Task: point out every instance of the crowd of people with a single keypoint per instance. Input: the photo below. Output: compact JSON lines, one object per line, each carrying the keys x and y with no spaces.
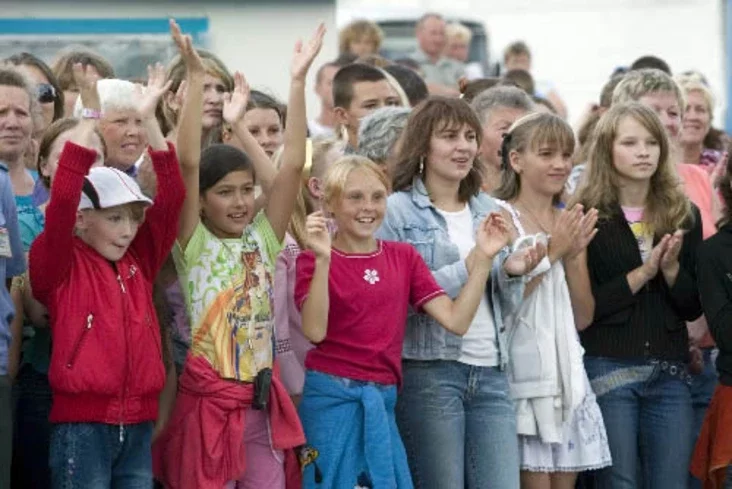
{"x":436,"y":282}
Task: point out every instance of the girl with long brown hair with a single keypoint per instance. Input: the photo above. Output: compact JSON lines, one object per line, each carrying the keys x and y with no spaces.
{"x":642,"y":267}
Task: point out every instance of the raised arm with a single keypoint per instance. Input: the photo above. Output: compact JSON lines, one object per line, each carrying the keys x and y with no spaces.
{"x":50,"y":254}
{"x":235,"y":106}
{"x":456,"y":316}
{"x":188,"y":136}
{"x":287,"y":181}
{"x":316,"y":305}
{"x":157,"y":234}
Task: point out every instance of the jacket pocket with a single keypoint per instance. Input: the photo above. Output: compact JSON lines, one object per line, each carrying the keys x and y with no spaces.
{"x":80,"y":341}
{"x":524,"y":353}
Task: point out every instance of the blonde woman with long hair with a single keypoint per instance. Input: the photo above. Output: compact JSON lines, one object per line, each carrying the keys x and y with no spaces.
{"x":642,"y":267}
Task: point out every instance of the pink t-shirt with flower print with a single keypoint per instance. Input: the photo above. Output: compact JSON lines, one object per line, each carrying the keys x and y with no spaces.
{"x":370,"y":295}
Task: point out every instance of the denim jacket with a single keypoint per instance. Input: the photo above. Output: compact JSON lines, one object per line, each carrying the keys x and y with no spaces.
{"x":411,"y":218}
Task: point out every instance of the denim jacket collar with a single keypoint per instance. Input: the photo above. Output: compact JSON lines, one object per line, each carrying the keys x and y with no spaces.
{"x":421,"y":197}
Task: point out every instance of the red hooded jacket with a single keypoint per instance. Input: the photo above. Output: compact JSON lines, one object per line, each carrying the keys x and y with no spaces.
{"x":106,"y":361}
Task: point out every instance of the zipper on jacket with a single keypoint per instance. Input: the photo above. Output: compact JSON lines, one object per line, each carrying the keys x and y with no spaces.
{"x":123,"y":395}
{"x":77,"y":347}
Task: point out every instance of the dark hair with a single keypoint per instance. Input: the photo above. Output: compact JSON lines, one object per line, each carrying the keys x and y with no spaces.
{"x":348,"y":76}
{"x":260,"y":100}
{"x":27,"y":59}
{"x":50,"y":135}
{"x":410,"y":81}
{"x":217,"y":161}
{"x":408,"y":63}
{"x":650,"y":62}
{"x":473,"y":88}
{"x":725,"y":189}
{"x":716,"y":139}
{"x":429,"y":117}
{"x":63,"y":66}
{"x":516,"y":48}
{"x":606,"y":95}
{"x":522,"y":79}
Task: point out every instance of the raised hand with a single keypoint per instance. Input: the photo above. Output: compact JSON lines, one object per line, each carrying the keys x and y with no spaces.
{"x":304,"y":54}
{"x":567,"y":231}
{"x":492,"y":235}
{"x":190,"y":56}
{"x":318,"y":236}
{"x":235,"y":103}
{"x":587,"y":232}
{"x":85,"y":78}
{"x":150,"y":94}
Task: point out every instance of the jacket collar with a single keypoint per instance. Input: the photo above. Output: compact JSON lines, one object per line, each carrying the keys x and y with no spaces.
{"x":421,"y":198}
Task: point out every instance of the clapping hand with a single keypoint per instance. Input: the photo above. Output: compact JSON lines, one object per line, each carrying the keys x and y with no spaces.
{"x":492,"y":235}
{"x":524,"y":260}
{"x":587,"y":232}
{"x":567,"y":231}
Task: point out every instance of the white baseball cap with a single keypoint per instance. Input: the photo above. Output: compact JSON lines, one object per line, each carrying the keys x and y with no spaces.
{"x":106,"y":187}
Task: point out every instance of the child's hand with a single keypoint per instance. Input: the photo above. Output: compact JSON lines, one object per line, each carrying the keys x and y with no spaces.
{"x":235,"y":103}
{"x":587,"y":232}
{"x":86,"y":77}
{"x":567,"y":231}
{"x":670,"y":257}
{"x":524,"y":260}
{"x":652,"y":265}
{"x":190,"y":56}
{"x":492,"y":235}
{"x":150,"y":94}
{"x":318,"y":236}
{"x":305,"y":54}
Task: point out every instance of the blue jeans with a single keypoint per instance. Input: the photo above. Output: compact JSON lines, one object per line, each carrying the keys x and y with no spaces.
{"x":458,"y":425}
{"x":32,"y":433}
{"x":98,"y":456}
{"x":702,"y":390}
{"x":648,"y":416}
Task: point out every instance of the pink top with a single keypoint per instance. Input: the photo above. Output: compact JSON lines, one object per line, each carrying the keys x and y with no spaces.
{"x":291,"y":343}
{"x":699,"y":190}
{"x":369,"y":301}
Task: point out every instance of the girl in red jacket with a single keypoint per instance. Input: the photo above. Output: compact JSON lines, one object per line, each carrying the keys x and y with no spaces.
{"x":93,"y":267}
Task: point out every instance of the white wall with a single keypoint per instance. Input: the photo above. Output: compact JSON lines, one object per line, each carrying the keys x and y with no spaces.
{"x":258,"y":40}
{"x":577,"y":43}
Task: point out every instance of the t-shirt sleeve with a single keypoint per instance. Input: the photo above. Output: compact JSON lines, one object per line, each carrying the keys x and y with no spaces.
{"x":196,"y":245}
{"x":270,"y":244}
{"x":304,"y":268}
{"x":423,"y":287}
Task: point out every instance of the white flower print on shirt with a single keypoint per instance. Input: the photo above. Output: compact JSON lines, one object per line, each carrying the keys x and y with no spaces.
{"x":371,"y":276}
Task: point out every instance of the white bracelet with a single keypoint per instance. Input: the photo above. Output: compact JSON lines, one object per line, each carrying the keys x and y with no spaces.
{"x":91,"y":114}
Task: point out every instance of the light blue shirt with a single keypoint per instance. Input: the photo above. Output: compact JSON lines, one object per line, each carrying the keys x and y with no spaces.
{"x":9,"y":267}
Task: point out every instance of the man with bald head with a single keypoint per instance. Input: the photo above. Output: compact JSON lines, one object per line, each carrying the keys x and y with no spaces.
{"x":440,"y":73}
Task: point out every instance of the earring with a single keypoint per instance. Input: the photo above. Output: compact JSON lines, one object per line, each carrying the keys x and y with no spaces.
{"x":421,"y":165}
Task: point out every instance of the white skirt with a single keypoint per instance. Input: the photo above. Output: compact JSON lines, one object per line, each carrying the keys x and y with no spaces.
{"x":584,"y":447}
